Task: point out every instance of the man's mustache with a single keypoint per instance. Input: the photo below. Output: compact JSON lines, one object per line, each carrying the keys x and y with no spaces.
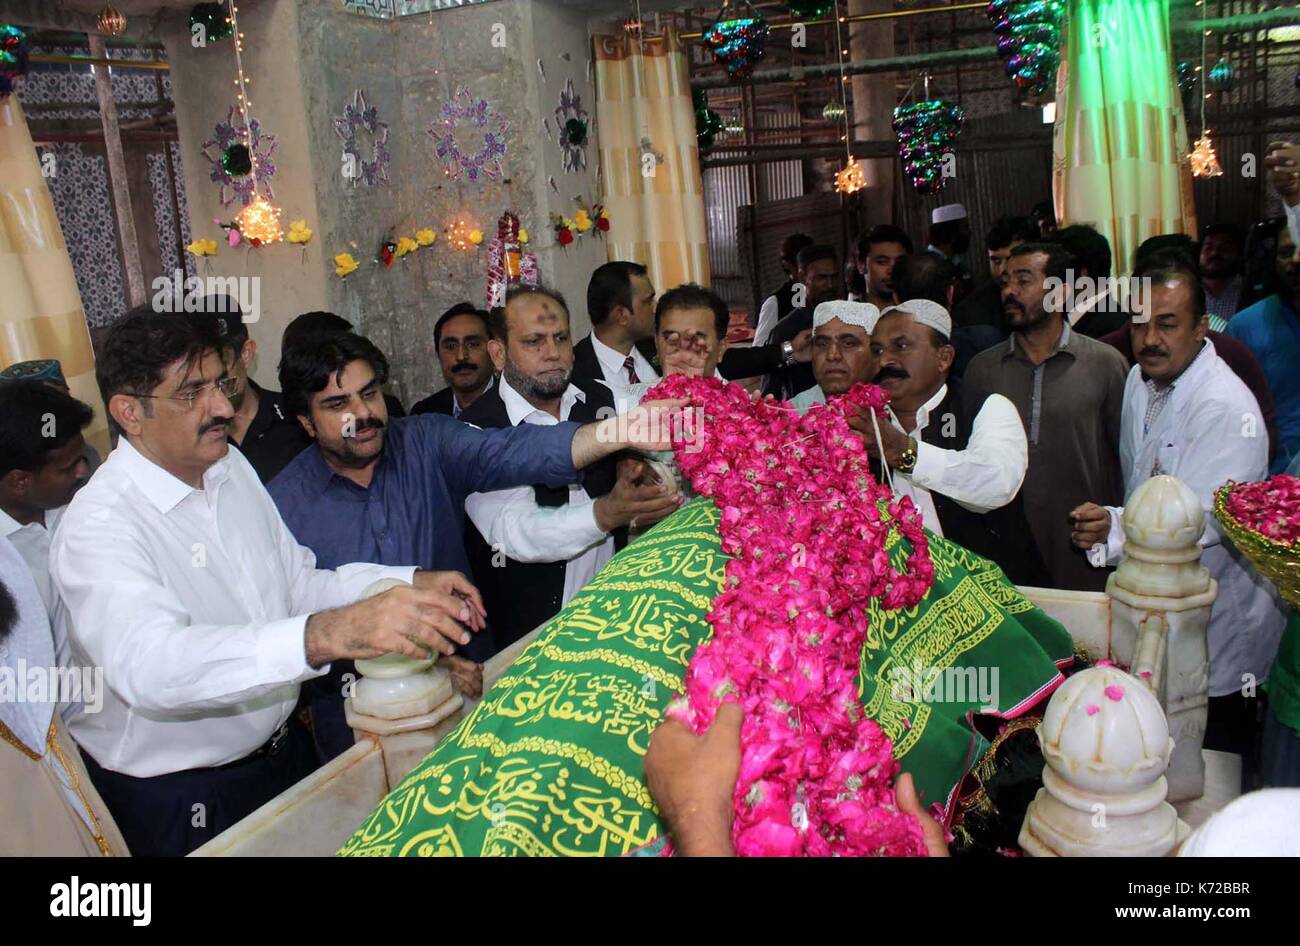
{"x":1013,"y":304}
{"x":368,"y":424}
{"x":460,"y":366}
{"x":1153,"y":352}
{"x":222,"y":422}
{"x":884,"y":374}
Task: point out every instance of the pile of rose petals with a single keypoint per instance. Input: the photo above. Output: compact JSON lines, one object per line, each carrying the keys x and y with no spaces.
{"x":1270,"y":507}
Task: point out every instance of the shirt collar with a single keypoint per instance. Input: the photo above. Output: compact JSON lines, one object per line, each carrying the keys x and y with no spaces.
{"x":9,"y":525}
{"x":923,"y":412}
{"x":455,"y":401}
{"x":519,"y":410}
{"x":608,"y":356}
{"x":161,"y":488}
{"x":1062,"y":344}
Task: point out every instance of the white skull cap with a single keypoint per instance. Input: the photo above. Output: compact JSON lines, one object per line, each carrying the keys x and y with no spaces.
{"x":925,"y":312}
{"x":947,"y":212}
{"x":862,"y":314}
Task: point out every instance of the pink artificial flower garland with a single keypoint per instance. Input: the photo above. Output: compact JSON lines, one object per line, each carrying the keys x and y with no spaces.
{"x":801,"y":520}
{"x":1270,"y":508}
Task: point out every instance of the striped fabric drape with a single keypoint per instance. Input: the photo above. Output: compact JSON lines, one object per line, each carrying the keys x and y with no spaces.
{"x":643,"y":93}
{"x":40,"y":307}
{"x":1119,"y":158}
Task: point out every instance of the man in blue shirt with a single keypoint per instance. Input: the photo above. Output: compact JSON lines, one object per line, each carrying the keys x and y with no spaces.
{"x":1271,"y":330}
{"x":388,"y":490}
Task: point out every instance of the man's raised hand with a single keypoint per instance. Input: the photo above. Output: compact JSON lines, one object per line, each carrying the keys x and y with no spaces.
{"x":412,"y":621}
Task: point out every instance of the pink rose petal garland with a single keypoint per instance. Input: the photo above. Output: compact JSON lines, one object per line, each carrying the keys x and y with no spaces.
{"x":806,"y":525}
{"x":1270,"y":508}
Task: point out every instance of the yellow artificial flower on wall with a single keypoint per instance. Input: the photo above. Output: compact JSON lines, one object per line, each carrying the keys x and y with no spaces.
{"x":344,"y":264}
{"x":203,"y":247}
{"x":425,"y":237}
{"x":476,"y":237}
{"x":582,"y":220}
{"x":299,"y":232}
{"x":523,"y":235}
{"x":405,"y":245}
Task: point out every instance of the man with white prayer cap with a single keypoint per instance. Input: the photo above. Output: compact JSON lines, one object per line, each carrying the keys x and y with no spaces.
{"x":841,"y":350}
{"x":949,"y":240}
{"x":958,"y":451}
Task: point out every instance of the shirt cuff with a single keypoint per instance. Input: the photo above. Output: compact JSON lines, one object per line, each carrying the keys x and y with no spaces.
{"x":930,"y":465}
{"x":1293,"y":221}
{"x":1115,"y":538}
{"x":282,"y":651}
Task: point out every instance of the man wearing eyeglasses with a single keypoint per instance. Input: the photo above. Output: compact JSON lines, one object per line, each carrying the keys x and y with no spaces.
{"x":181,"y":580}
{"x":841,"y":350}
{"x":460,"y":338}
{"x":261,"y":428}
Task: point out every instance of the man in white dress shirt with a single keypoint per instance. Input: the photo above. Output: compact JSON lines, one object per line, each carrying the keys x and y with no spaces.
{"x":1187,"y":414}
{"x":959,"y":452}
{"x":180,"y":580}
{"x":42,"y":465}
{"x":532,"y":548}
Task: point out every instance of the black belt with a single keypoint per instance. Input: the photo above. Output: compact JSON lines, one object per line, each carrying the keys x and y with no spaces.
{"x":269,"y":748}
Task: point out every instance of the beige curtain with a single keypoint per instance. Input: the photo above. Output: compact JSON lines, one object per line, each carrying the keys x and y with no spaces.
{"x":1120,"y":150}
{"x":643,"y":92}
{"x":40,"y":307}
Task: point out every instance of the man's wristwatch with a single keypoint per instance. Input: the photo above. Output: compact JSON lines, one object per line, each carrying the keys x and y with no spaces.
{"x":907,"y":459}
{"x":787,"y":353}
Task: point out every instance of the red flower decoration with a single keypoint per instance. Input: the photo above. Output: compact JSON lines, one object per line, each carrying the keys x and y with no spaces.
{"x":806,"y":525}
{"x":564,"y":235}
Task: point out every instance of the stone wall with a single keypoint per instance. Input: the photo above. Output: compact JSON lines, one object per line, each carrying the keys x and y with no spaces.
{"x":307,"y":58}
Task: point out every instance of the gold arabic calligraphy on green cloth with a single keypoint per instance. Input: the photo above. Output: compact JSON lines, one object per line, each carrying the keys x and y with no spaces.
{"x":551,"y":761}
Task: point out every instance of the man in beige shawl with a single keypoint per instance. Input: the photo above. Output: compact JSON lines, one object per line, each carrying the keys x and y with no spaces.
{"x":50,"y":806}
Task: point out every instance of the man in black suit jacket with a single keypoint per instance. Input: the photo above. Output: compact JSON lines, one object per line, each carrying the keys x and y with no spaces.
{"x":620,"y":351}
{"x":532,"y":548}
{"x":460,"y":337}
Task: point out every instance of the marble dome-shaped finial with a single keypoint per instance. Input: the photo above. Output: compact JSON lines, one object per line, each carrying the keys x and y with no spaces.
{"x":1163,"y":513}
{"x":1104,"y":732}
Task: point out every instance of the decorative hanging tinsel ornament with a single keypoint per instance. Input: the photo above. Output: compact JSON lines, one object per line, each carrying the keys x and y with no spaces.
{"x":708,"y":123}
{"x":221,"y":152}
{"x":469,"y":120}
{"x":1205,"y":163}
{"x":809,"y":9}
{"x":1188,"y":78}
{"x":110,"y":22}
{"x":1222,"y":76}
{"x":14,"y":47}
{"x":736,"y":39}
{"x":926,"y":132}
{"x":1029,"y":42}
{"x":211,"y":22}
{"x":358,"y":125}
{"x":833,"y":111}
{"x":851,"y":178}
{"x":236,"y":160}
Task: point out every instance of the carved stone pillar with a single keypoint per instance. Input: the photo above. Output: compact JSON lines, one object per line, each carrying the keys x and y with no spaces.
{"x":1161,"y":597}
{"x":408,"y":705}
{"x":1106,"y":744}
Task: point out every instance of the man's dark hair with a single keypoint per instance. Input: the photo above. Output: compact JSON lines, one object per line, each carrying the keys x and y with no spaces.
{"x":945,"y":232}
{"x":307,"y":366}
{"x":691,"y":296}
{"x":924,"y":276}
{"x":222,"y":316}
{"x":1059,"y":259}
{"x":8,"y":612}
{"x":1230,"y":230}
{"x":497,"y":326}
{"x":1090,"y":248}
{"x":1179,"y":244}
{"x":135,"y":350}
{"x":1007,"y":230}
{"x":313,"y":323}
{"x":460,"y":308}
{"x":26,"y":410}
{"x":883,"y":233}
{"x":1170,"y":266}
{"x":817,"y":252}
{"x":792,"y":244}
{"x":610,"y":287}
{"x":1044,"y":210}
